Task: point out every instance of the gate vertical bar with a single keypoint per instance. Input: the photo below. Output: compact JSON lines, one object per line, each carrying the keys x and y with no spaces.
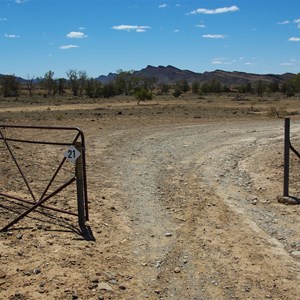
{"x":286,"y":157}
{"x":80,"y":186}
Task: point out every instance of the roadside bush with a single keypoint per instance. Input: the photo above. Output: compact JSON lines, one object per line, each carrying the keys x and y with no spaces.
{"x":143,"y":95}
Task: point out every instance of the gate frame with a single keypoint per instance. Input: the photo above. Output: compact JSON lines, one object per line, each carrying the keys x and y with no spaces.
{"x":80,"y":176}
{"x":287,"y":147}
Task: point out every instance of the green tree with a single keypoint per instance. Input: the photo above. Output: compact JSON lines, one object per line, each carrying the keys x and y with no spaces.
{"x":108,"y":90}
{"x":143,"y":95}
{"x":9,"y":85}
{"x":123,"y":82}
{"x":30,"y":85}
{"x":274,"y":87}
{"x":260,"y":88}
{"x":176,"y":93}
{"x":61,"y":86}
{"x":205,"y":88}
{"x":195,"y":88}
{"x":149,"y":83}
{"x":82,"y":77}
{"x":164,"y":88}
{"x":48,"y":83}
{"x":296,"y":82}
{"x":215,"y":86}
{"x":74,"y":81}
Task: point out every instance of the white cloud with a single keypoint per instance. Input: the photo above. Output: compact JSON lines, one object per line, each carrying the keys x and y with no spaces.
{"x":176,"y":30}
{"x":76,"y":35}
{"x":82,"y":28}
{"x":131,"y":28}
{"x":221,"y":61}
{"x":11,"y":36}
{"x":287,"y":64}
{"x":162,"y":5}
{"x":3,"y":19}
{"x":65,"y":47}
{"x":214,"y":36}
{"x":283,"y":22}
{"x":297,"y":21}
{"x":221,"y":10}
{"x":201,"y":26}
{"x":21,"y":1}
{"x":294,"y":39}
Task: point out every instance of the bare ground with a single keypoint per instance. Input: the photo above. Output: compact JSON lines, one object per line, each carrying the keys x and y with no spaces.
{"x":182,"y":199}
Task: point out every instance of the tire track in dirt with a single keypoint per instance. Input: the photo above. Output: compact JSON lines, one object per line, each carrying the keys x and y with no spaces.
{"x":192,"y":237}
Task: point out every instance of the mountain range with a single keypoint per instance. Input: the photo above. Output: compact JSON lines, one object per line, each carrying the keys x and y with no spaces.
{"x":170,"y":74}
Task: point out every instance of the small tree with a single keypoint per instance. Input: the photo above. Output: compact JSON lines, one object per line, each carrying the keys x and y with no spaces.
{"x":143,"y":95}
{"x":176,"y":93}
{"x":60,"y":86}
{"x":164,"y":88}
{"x":123,"y":82}
{"x":260,"y":88}
{"x":195,"y":88}
{"x":108,"y":90}
{"x":82,"y":77}
{"x":10,"y":85}
{"x":48,"y":83}
{"x":30,"y":85}
{"x":74,"y":82}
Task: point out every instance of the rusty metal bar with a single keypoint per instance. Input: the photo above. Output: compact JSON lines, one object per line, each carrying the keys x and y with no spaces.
{"x":286,"y":157}
{"x":37,"y":204}
{"x":43,"y":206}
{"x":39,"y":127}
{"x":295,"y":151}
{"x":84,"y":177}
{"x":37,"y":142}
{"x":53,"y":177}
{"x":17,"y":164}
{"x":80,"y":186}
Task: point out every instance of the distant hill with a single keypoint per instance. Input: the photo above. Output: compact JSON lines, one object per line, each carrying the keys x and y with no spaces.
{"x":170,"y":74}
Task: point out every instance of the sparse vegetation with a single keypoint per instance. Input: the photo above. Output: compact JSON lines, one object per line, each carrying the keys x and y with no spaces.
{"x":127,"y":83}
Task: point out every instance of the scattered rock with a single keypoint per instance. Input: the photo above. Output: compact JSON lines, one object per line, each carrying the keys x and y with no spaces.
{"x":288,"y":200}
{"x":37,"y":271}
{"x":19,"y":236}
{"x":296,"y":253}
{"x":103,"y":286}
{"x":95,"y":280}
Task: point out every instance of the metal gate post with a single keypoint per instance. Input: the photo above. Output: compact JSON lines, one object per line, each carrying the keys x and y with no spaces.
{"x":80,"y":186}
{"x":286,"y":157}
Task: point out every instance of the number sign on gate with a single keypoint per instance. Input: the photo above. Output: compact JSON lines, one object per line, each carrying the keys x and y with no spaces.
{"x":72,"y":154}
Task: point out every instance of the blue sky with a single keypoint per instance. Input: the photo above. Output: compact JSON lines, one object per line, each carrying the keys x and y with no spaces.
{"x":102,"y":36}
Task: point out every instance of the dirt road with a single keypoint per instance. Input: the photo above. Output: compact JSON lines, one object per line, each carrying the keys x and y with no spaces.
{"x":199,"y":201}
{"x":179,"y":211}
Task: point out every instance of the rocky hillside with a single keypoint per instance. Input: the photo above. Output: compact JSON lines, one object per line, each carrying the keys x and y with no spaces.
{"x":171,"y":74}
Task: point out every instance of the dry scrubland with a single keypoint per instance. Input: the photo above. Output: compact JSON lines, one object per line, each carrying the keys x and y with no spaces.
{"x":182,"y":197}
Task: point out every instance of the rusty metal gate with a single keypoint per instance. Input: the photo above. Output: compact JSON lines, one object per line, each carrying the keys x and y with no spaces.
{"x":38,"y":163}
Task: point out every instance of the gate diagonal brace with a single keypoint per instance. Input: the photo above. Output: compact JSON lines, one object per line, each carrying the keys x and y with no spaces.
{"x":79,"y":176}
